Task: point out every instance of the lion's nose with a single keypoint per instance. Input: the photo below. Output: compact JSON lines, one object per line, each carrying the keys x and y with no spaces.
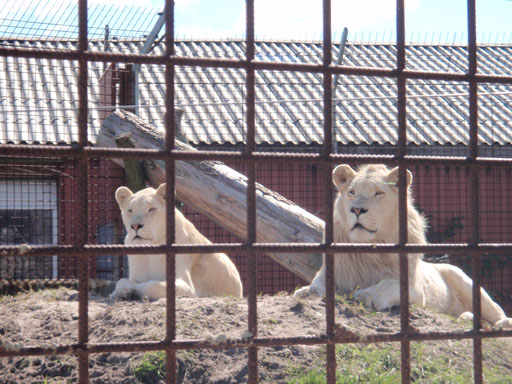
{"x":358,"y":211}
{"x":137,"y":226}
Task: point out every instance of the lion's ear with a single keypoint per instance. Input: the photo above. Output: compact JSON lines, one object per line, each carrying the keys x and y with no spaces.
{"x":160,"y":191}
{"x":342,"y":176}
{"x":393,"y":176}
{"x":123,"y":196}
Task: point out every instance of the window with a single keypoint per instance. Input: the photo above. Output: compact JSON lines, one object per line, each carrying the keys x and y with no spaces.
{"x":28,"y":215}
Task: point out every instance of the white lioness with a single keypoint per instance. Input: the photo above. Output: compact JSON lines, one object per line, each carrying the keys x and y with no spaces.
{"x":366,"y":211}
{"x":197,"y":275}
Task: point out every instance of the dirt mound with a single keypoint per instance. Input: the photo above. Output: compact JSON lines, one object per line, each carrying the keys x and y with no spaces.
{"x":50,"y":317}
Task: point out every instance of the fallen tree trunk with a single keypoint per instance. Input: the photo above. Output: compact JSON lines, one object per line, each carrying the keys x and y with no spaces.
{"x":219,"y":192}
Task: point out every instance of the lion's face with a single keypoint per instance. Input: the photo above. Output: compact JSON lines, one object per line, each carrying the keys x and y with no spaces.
{"x":143,"y":214}
{"x":368,"y":202}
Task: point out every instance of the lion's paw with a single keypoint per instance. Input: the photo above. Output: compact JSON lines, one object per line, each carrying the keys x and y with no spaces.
{"x":302,"y":292}
{"x":122,"y":294}
{"x":308,"y":291}
{"x":183,"y":289}
{"x":468,"y":316}
{"x":372,"y":298}
{"x":505,"y":323}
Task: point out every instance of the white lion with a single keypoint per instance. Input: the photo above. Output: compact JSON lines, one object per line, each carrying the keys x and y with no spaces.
{"x":366,"y":211}
{"x":197,"y":274}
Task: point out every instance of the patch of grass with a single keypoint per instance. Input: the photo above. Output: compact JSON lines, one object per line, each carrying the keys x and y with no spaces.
{"x":152,"y":368}
{"x":380,"y":364}
{"x":355,"y":364}
{"x":367,"y":364}
{"x":314,"y":376}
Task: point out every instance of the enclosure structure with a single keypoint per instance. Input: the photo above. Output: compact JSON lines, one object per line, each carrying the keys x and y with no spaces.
{"x":289,"y":118}
{"x":472,"y":161}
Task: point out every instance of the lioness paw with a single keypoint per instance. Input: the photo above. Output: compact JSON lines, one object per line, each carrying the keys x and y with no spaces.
{"x":505,"y":323}
{"x":302,"y":292}
{"x":468,"y":316}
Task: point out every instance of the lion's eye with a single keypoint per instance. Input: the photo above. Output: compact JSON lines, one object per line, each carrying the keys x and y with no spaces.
{"x":130,"y":211}
{"x":153,"y":209}
{"x":379,"y":193}
{"x":351,"y":192}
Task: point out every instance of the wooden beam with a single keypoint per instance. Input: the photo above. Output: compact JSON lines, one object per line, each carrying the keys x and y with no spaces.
{"x":219,"y":192}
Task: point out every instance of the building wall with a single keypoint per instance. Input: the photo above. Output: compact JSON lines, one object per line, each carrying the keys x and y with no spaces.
{"x":104,"y":178}
{"x":440,"y":192}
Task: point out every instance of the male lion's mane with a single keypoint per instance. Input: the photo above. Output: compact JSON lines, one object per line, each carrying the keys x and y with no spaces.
{"x":367,"y":269}
{"x":366,"y":211}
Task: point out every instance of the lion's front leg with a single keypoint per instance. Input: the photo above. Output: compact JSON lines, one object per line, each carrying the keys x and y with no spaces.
{"x":125,"y":288}
{"x":154,"y":290}
{"x":317,"y":286}
{"x":386,"y":294}
{"x":184,"y":284}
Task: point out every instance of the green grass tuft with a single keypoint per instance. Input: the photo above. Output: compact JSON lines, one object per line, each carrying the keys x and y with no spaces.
{"x":152,"y":368}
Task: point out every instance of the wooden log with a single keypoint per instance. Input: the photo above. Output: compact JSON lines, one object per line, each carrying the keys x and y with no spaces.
{"x":219,"y":192}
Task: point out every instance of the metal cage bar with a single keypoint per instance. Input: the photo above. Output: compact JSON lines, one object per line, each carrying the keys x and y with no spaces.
{"x":170,"y":260}
{"x":473,"y":185}
{"x":251,"y":193}
{"x":83,"y":262}
{"x":405,"y":347}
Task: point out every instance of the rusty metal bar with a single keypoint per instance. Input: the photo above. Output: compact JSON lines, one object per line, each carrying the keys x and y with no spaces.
{"x":474,"y":187}
{"x":251,"y":192}
{"x":170,"y":178}
{"x":70,"y":349}
{"x":52,"y":151}
{"x":244,"y":248}
{"x":328,"y":196}
{"x":405,"y":345}
{"x":83,"y":260}
{"x":257,"y":65}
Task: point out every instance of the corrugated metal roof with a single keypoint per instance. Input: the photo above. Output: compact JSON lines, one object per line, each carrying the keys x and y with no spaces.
{"x":38,"y":97}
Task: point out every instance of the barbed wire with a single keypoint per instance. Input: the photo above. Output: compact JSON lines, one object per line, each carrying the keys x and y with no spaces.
{"x":266,"y":102}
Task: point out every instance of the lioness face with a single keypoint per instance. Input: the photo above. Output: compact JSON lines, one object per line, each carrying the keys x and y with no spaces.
{"x":368,"y":201}
{"x":143,"y":214}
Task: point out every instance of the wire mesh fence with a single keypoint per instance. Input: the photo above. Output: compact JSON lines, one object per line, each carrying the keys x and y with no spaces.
{"x":59,"y":199}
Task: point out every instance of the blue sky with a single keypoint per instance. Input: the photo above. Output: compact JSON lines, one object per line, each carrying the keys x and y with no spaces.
{"x":427,"y":21}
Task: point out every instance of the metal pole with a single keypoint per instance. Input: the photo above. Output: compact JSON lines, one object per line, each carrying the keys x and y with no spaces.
{"x":146,"y":48}
{"x":339,"y":59}
{"x":106,"y":45}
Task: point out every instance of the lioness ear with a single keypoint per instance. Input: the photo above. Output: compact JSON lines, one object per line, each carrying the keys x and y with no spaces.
{"x":393,"y":176}
{"x":123,"y":196}
{"x":160,"y":191}
{"x":342,"y":175}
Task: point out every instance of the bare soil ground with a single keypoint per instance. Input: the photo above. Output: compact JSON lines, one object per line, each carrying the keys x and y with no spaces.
{"x":50,"y":317}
